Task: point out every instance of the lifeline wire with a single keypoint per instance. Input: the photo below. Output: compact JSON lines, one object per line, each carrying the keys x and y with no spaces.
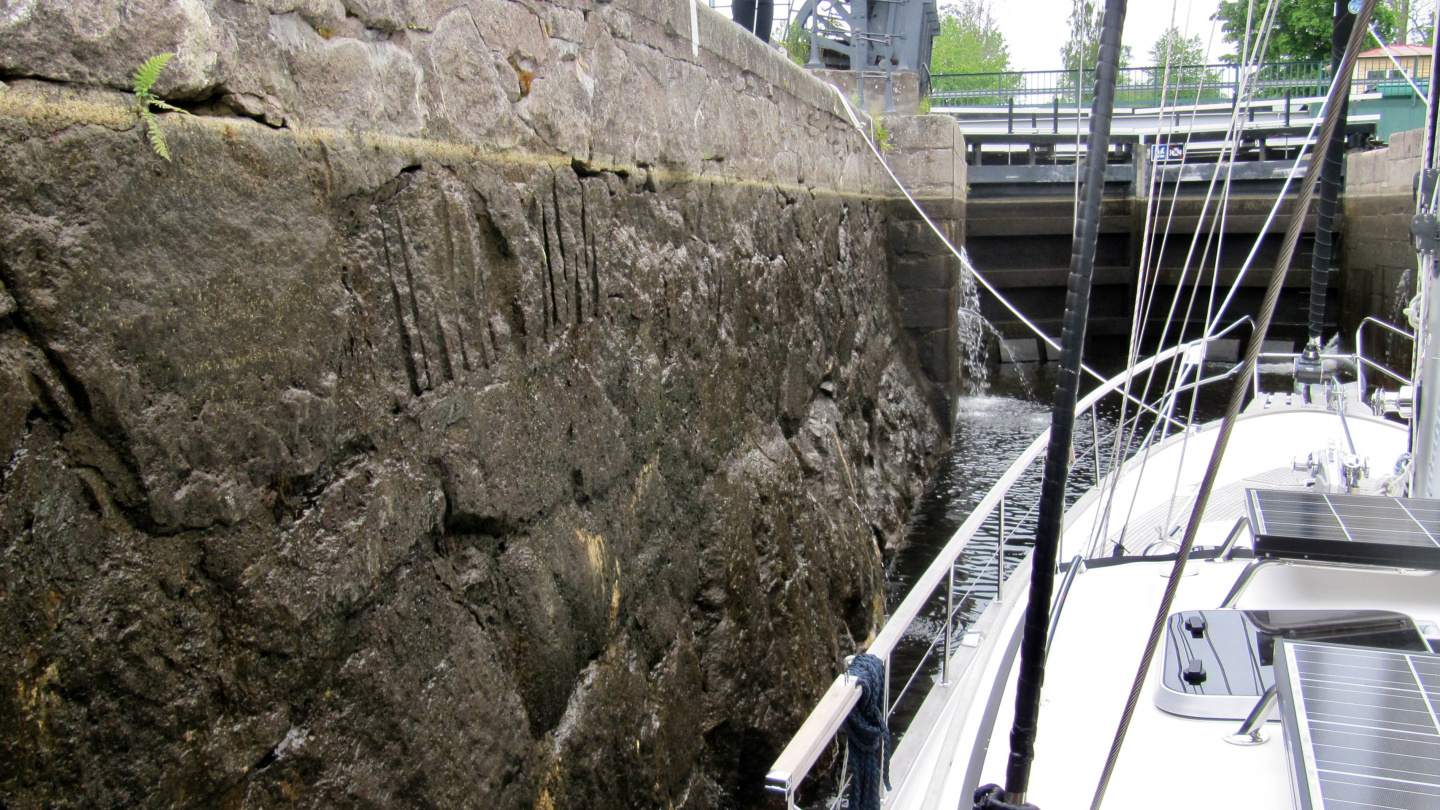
{"x":1247,"y":89}
{"x":855,"y":121}
{"x":1341,"y":84}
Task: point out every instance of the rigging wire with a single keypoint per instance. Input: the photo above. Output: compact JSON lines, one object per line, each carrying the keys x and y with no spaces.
{"x":1245,"y":267}
{"x":965,"y":260}
{"x":1171,"y":379}
{"x":1265,"y":228}
{"x":1217,"y":238}
{"x":1231,"y":139}
{"x":1340,"y":84}
{"x":1122,"y":447}
{"x":1143,"y":292}
{"x":1158,"y":256}
{"x":1148,"y":252}
{"x":1209,"y":308}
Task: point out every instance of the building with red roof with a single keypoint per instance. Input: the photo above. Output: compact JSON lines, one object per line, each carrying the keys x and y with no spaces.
{"x":1375,"y":64}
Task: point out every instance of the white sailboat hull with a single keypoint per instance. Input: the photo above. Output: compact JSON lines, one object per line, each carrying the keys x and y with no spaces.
{"x":1167,"y":760}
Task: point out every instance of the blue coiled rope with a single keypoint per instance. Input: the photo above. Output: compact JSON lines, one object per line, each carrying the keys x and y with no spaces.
{"x":868,"y":731}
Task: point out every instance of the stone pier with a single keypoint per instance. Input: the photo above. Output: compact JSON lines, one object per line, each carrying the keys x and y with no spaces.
{"x":927,"y":153}
{"x":489,"y":404}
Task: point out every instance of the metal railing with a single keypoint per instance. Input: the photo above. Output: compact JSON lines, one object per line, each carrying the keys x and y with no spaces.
{"x":816,"y":733}
{"x":1137,"y":87}
{"x":1364,"y":362}
{"x":810,"y":742}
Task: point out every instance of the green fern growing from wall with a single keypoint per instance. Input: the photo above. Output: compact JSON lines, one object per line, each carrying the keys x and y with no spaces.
{"x":145,"y":79}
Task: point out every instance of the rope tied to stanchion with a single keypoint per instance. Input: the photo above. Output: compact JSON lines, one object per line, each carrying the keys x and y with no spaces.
{"x":868,"y":731}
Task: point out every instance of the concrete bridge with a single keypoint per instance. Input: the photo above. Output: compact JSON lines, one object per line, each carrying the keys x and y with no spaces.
{"x":1019,"y":216}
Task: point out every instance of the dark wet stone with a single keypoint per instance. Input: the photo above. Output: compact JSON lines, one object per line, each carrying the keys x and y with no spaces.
{"x":338,"y":471}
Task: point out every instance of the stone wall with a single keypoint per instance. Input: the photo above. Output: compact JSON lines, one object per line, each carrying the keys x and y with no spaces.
{"x":493,"y":404}
{"x":927,"y":153}
{"x":1377,"y":276}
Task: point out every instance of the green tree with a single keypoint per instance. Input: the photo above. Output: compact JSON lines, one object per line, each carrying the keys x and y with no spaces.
{"x":797,"y":43}
{"x":1177,"y":63}
{"x":970,"y":41}
{"x":1173,"y":49}
{"x":1301,"y":30}
{"x":1422,"y":21}
{"x":1083,"y":48}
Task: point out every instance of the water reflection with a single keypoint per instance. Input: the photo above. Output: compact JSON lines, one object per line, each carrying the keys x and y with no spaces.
{"x":991,"y":430}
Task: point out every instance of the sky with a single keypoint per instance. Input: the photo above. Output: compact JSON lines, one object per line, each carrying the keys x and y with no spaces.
{"x":1035,"y":30}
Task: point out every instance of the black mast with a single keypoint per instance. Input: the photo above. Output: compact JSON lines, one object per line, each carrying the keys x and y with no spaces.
{"x":1062,"y":417}
{"x":1308,"y":368}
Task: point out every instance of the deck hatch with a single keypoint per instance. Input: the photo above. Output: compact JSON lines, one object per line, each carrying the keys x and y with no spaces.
{"x":1361,"y":726}
{"x":1236,"y":651}
{"x":1357,"y":529}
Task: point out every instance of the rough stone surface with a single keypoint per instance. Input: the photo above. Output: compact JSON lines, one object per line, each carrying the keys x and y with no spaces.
{"x":927,"y":154}
{"x":519,"y":425}
{"x":611,"y":84}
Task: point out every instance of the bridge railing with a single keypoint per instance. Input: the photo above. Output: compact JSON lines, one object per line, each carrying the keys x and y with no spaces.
{"x":1137,"y":87}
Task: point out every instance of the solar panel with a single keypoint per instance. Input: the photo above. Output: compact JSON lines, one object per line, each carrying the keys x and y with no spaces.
{"x":1365,"y":529}
{"x":1361,"y":726}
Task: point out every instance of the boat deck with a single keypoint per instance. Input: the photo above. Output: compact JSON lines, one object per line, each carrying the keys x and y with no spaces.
{"x":1167,"y":760}
{"x":1156,"y":491}
{"x":1096,"y":651}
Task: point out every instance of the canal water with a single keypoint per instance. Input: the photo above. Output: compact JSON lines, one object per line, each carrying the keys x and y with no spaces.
{"x":995,"y":422}
{"x":992,"y":428}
